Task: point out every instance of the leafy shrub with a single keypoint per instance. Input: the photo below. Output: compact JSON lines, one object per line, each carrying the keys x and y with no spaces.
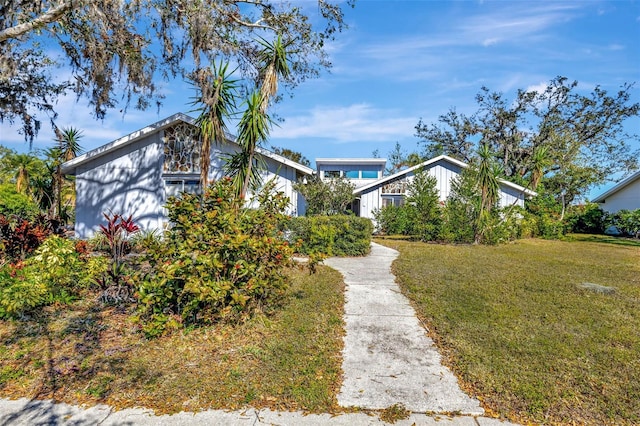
{"x":115,"y":281}
{"x":54,"y":273}
{"x":393,"y":220}
{"x":13,"y":202}
{"x":330,"y":197}
{"x":218,"y":259}
{"x":627,"y":221}
{"x":20,"y":237}
{"x":588,"y":218}
{"x":420,"y":216}
{"x":339,"y":235}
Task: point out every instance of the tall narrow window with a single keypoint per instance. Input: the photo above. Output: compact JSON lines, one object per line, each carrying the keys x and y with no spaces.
{"x":181,"y":149}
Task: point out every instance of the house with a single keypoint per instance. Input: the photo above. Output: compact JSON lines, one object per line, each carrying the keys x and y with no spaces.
{"x":135,"y":174}
{"x":372,"y":194}
{"x":623,"y":196}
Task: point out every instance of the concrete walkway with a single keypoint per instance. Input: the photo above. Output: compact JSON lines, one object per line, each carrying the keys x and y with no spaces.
{"x":387,"y":356}
{"x":388,"y":359}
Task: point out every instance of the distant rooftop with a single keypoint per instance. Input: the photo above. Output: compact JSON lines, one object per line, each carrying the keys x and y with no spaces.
{"x":351,"y":160}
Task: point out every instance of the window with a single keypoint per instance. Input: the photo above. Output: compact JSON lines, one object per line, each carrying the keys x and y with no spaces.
{"x":332,"y":173}
{"x":181,"y":149}
{"x":396,"y":201}
{"x":369,"y":174}
{"x":352,"y":174}
{"x":175,"y":187}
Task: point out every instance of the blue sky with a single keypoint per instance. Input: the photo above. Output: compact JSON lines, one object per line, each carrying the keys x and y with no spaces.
{"x":404,"y":60}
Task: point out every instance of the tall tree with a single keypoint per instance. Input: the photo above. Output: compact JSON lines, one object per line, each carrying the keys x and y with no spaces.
{"x":582,"y":136}
{"x":117,"y":49}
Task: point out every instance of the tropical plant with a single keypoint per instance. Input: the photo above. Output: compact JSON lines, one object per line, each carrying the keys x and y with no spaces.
{"x":115,"y":281}
{"x":216,"y":101}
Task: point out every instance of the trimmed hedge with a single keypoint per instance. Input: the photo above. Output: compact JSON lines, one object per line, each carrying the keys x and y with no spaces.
{"x":338,"y":235}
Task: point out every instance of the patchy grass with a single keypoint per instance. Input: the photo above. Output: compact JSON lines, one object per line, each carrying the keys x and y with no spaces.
{"x":518,"y":331}
{"x":89,"y":354}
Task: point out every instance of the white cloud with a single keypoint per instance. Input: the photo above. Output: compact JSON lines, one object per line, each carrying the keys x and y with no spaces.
{"x":353,"y":123}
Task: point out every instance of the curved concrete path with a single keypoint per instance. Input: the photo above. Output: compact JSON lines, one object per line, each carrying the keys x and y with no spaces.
{"x":387,"y":356}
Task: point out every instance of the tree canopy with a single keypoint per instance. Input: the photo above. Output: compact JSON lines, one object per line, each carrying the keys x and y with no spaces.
{"x":116,"y":50}
{"x":559,"y":137}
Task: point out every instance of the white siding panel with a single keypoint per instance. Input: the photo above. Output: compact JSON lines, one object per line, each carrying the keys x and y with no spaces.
{"x":628,"y":198}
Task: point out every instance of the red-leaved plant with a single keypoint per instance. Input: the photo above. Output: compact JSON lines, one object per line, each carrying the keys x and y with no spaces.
{"x":117,"y":232}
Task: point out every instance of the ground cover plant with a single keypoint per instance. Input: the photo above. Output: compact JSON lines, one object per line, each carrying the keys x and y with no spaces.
{"x":87,"y":352}
{"x":520,"y":333}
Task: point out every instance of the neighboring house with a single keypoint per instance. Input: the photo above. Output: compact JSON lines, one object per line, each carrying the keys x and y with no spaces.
{"x":623,"y":196}
{"x":391,"y":190}
{"x":134,"y":175}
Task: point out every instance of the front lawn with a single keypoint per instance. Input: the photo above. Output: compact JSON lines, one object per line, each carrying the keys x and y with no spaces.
{"x":520,"y":333}
{"x":85,"y":353}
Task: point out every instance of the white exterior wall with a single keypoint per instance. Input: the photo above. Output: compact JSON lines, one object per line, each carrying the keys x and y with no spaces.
{"x":130,"y":181}
{"x":127,"y":181}
{"x":627,"y":198}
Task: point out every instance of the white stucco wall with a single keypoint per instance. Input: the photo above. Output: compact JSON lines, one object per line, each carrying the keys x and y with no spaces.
{"x":627,"y":198}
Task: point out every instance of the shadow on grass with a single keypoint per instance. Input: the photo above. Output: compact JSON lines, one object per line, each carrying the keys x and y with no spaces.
{"x":62,"y":353}
{"x":606,"y":239}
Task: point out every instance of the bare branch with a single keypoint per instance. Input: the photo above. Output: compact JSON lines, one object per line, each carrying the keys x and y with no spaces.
{"x":50,"y":16}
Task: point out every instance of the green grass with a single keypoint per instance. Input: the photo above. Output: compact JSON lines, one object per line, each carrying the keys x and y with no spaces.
{"x":86,"y":354}
{"x":522,"y":336}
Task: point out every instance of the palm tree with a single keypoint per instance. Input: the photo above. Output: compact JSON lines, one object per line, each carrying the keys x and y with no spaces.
{"x":539,"y":162}
{"x":24,"y":166}
{"x":274,"y":65}
{"x":487,"y":182}
{"x":218,"y":103}
{"x":67,"y":149}
{"x":253,"y":130}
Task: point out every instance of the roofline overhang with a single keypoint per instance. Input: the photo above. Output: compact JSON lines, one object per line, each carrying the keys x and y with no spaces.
{"x":70,"y":167}
{"x":424,"y":164}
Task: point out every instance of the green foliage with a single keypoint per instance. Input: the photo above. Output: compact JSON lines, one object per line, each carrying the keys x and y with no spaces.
{"x":420,"y":216}
{"x":14,"y":203}
{"x":423,"y":204}
{"x":338,"y":235}
{"x":573,"y":140}
{"x":330,"y":197}
{"x":219,"y":259}
{"x":545,"y":217}
{"x":587,"y":219}
{"x":53,"y":274}
{"x":627,"y":221}
{"x":393,"y":220}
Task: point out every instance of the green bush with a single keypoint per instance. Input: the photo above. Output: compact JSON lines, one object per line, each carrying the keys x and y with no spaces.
{"x":627,"y":221}
{"x":14,"y":203}
{"x":55,"y":273}
{"x":393,"y":220}
{"x":588,"y":218}
{"x":339,"y":235}
{"x":218,"y":260}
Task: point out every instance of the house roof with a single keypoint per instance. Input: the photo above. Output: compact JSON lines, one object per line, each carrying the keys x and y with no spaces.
{"x":351,"y":160}
{"x":430,"y":162}
{"x":619,"y":186}
{"x":71,"y":166}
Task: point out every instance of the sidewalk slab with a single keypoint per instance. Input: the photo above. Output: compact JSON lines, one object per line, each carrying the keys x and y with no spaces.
{"x":25,"y":412}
